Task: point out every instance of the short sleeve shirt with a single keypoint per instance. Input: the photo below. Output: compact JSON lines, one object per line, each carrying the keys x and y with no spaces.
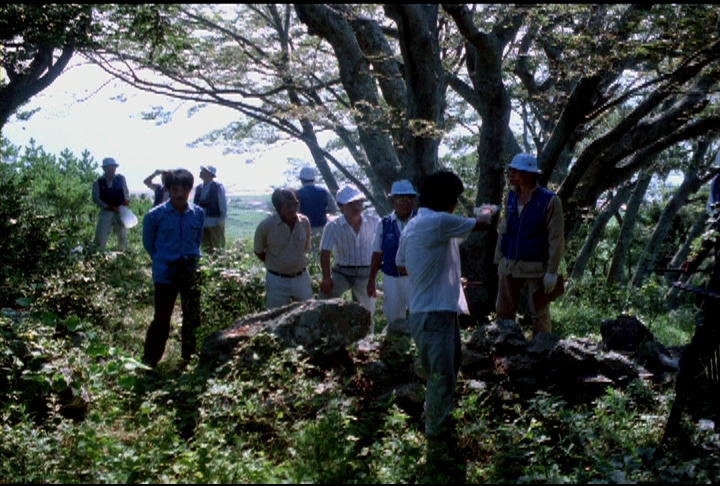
{"x":430,"y":252}
{"x":285,"y":249}
{"x":350,"y":248}
{"x":169,"y":235}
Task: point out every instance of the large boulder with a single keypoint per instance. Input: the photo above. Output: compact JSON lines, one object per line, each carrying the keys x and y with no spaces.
{"x":321,"y":327}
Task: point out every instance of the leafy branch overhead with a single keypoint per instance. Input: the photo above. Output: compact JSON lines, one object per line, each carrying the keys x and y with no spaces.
{"x":602,"y":93}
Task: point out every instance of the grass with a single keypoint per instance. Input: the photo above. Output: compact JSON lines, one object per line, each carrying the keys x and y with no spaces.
{"x":244,"y":214}
{"x":279,"y":418}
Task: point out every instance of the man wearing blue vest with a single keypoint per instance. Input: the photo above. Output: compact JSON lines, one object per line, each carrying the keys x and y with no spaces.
{"x":210,"y":195}
{"x":396,"y":287}
{"x":316,"y":203}
{"x":531,"y":243}
{"x":109,"y":192}
{"x":160,"y":191}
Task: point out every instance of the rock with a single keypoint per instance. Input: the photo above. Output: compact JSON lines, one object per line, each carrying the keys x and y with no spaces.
{"x":319,"y":326}
{"x":625,"y":333}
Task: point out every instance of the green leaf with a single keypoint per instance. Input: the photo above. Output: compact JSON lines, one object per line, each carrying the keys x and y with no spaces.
{"x":23,"y":301}
{"x":126,"y":381}
{"x":73,"y":323}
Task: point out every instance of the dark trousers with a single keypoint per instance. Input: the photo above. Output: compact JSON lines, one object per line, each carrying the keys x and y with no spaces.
{"x":159,"y":330}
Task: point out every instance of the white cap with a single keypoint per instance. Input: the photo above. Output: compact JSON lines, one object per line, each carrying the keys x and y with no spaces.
{"x":348,"y":194}
{"x":307,"y":174}
{"x":402,"y":188}
{"x":525,"y":163}
{"x":209,"y":168}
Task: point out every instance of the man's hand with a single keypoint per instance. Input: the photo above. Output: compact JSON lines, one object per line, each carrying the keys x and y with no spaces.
{"x":371,"y":289}
{"x":113,"y":209}
{"x":327,"y":285}
{"x":549,"y":282}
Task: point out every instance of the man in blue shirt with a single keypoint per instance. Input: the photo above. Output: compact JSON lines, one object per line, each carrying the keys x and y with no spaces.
{"x":396,"y":287}
{"x":316,"y":202}
{"x":172,"y":234}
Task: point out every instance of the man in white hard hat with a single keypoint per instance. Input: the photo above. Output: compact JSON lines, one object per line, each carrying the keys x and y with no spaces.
{"x":210,"y":195}
{"x":109,"y":193}
{"x":396,"y":290}
{"x":316,"y":202}
{"x":348,"y":241}
{"x":531,"y":243}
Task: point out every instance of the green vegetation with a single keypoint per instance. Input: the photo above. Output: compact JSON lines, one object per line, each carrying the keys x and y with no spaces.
{"x":244,"y":214}
{"x":77,"y":406}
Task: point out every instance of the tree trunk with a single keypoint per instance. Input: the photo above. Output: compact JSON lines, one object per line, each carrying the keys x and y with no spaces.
{"x":616,"y":274}
{"x":690,"y":184}
{"x":672,"y":296}
{"x":23,"y":86}
{"x":599,"y":223}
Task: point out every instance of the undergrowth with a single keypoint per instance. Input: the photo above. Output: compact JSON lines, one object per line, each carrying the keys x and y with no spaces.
{"x":77,"y":406}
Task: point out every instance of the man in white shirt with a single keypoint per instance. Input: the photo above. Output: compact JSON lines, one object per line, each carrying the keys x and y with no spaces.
{"x":429,"y":254}
{"x":210,"y":195}
{"x":348,"y":241}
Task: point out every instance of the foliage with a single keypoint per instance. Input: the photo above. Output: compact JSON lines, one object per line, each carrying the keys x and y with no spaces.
{"x":76,"y":405}
{"x":38,"y":41}
{"x":44,"y":212}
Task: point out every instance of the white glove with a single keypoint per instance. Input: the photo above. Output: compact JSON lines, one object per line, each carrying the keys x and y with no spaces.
{"x":549,"y":282}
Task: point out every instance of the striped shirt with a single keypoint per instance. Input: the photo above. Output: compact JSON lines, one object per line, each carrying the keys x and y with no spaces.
{"x":350,"y":248}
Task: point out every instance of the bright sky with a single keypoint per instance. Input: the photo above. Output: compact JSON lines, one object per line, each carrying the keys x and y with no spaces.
{"x":73,"y":117}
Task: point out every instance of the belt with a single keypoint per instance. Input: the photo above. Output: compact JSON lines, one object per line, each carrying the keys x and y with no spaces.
{"x":284,"y":275}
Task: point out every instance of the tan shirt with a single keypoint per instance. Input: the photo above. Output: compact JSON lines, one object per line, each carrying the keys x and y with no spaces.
{"x":285,"y":250}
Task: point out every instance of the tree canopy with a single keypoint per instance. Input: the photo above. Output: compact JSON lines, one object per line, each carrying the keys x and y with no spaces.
{"x":601,"y":93}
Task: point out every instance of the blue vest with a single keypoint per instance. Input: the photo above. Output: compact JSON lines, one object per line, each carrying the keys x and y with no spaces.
{"x":526,"y":237}
{"x":212,"y":204}
{"x":159,"y":196}
{"x":112,"y":194}
{"x":389,"y":245}
{"x":313,"y":204}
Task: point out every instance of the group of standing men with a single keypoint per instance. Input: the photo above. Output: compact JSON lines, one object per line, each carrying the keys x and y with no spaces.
{"x":173,"y":233}
{"x":416,"y":249}
{"x":353,"y":247}
{"x":110,"y":193}
{"x":418,"y":252}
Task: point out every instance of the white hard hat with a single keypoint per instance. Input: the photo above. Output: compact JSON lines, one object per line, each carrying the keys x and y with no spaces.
{"x":525,"y":163}
{"x":349,"y":194}
{"x":307,"y":174}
